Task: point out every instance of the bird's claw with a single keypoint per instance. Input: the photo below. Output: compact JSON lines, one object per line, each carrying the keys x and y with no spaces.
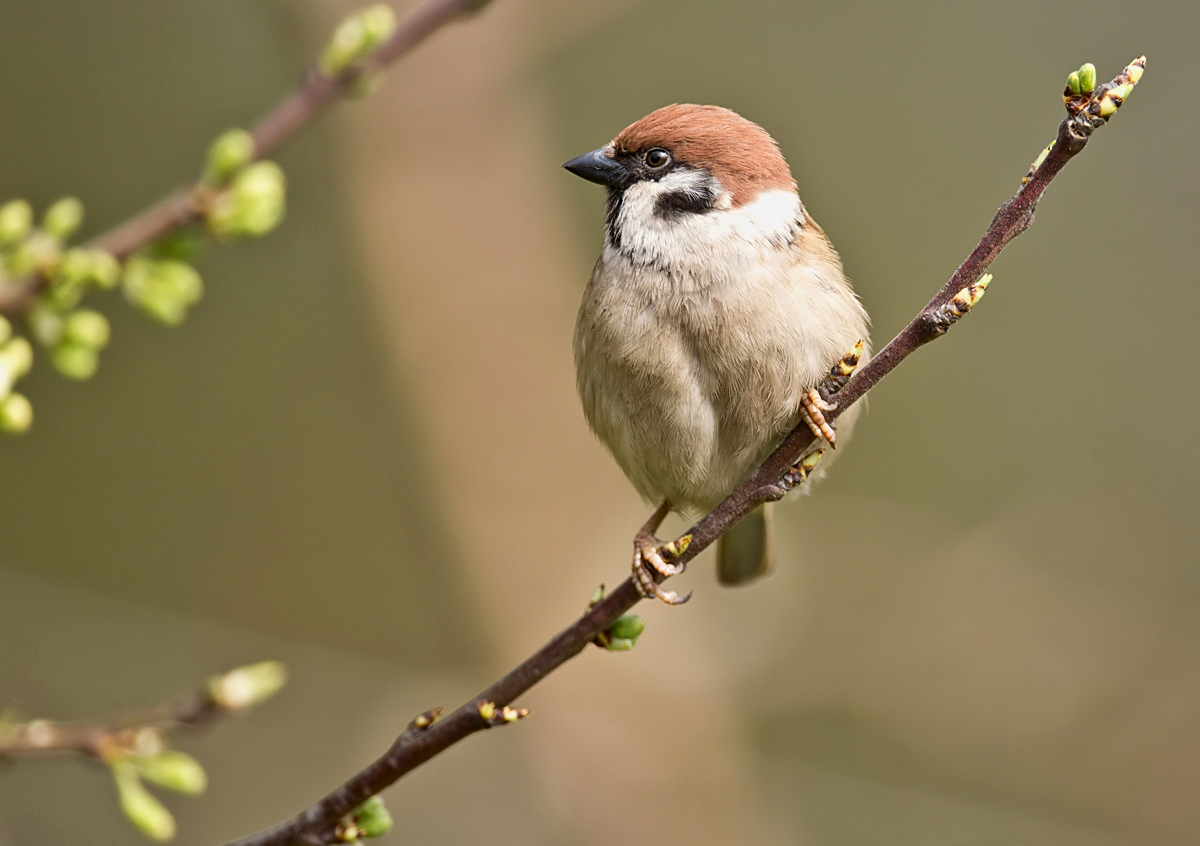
{"x":812,"y":408}
{"x":646,"y":551}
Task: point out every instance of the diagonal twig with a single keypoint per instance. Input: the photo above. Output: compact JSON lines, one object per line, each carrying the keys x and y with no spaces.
{"x":1086,"y":110}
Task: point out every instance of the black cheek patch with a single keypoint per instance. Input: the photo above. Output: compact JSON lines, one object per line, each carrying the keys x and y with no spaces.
{"x":678,"y":203}
{"x":614,"y":201}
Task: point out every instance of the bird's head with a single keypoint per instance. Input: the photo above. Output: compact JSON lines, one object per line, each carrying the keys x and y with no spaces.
{"x":688,"y":173}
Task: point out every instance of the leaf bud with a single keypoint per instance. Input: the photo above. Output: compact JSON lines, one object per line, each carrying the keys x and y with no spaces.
{"x":16,"y":414}
{"x":623,"y":634}
{"x":75,"y":361}
{"x":247,"y":686}
{"x":373,"y":818}
{"x":16,"y":220}
{"x":356,"y":38}
{"x":17,"y":355}
{"x":88,"y":328}
{"x":45,"y":323}
{"x":1087,"y":78}
{"x":63,"y":218}
{"x":252,"y":206}
{"x":162,"y":288}
{"x":231,"y":152}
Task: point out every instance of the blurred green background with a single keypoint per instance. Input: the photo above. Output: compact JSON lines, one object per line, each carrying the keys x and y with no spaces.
{"x":363,"y":455}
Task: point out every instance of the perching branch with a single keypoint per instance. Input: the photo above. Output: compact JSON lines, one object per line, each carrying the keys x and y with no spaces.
{"x":309,"y":101}
{"x":1088,"y":107}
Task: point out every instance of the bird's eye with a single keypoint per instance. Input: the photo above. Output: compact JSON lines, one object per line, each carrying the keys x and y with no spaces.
{"x":657,"y":158}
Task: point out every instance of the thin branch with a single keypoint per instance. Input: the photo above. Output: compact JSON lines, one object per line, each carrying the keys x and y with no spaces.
{"x":425,"y":739}
{"x":315,"y":94}
{"x":221,"y":696}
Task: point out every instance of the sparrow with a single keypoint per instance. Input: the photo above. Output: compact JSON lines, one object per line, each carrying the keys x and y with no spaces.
{"x":716,"y":308}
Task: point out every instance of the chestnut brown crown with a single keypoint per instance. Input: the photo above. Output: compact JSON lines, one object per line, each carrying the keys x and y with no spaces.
{"x":738,"y":152}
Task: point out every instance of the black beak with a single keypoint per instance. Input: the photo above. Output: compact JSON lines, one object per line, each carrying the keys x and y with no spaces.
{"x":597,"y":166}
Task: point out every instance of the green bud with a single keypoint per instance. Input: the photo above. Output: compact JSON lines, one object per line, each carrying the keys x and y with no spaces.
{"x":252,"y":206}
{"x":16,"y":414}
{"x":16,"y":219}
{"x":1073,"y":82}
{"x":628,"y":627}
{"x":63,"y":218}
{"x":162,"y":288}
{"x":173,"y":770}
{"x":79,"y":267}
{"x":45,"y":323}
{"x":87,"y":328}
{"x":1087,"y":78}
{"x":105,"y":271}
{"x":247,"y":686}
{"x":624,"y":633}
{"x":18,"y":356}
{"x":139,"y":805}
{"x":372,"y":818}
{"x":75,"y":266}
{"x":75,"y":361}
{"x":5,"y":330}
{"x":356,"y":38}
{"x":230,"y":153}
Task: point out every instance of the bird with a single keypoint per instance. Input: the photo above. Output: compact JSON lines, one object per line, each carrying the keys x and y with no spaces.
{"x":715,"y":309}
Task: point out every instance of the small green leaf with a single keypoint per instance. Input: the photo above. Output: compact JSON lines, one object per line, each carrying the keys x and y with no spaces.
{"x":173,"y":770}
{"x":140,"y":806}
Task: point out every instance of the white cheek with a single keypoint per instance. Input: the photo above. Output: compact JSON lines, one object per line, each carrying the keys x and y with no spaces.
{"x":695,"y":240}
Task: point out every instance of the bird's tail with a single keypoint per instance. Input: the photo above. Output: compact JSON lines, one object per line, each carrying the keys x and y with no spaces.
{"x":744,"y":552}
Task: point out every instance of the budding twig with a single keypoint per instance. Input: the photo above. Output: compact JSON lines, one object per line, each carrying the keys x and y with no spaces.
{"x":956,"y":297}
{"x":222,"y":695}
{"x":315,"y":94}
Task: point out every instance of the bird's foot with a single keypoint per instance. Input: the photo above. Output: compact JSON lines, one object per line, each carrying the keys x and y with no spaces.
{"x":648,"y":551}
{"x":817,"y":401}
{"x":812,"y":409}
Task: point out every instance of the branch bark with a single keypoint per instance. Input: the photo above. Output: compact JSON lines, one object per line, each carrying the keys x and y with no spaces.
{"x":221,"y":696}
{"x":315,"y":94}
{"x":424,"y":739}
